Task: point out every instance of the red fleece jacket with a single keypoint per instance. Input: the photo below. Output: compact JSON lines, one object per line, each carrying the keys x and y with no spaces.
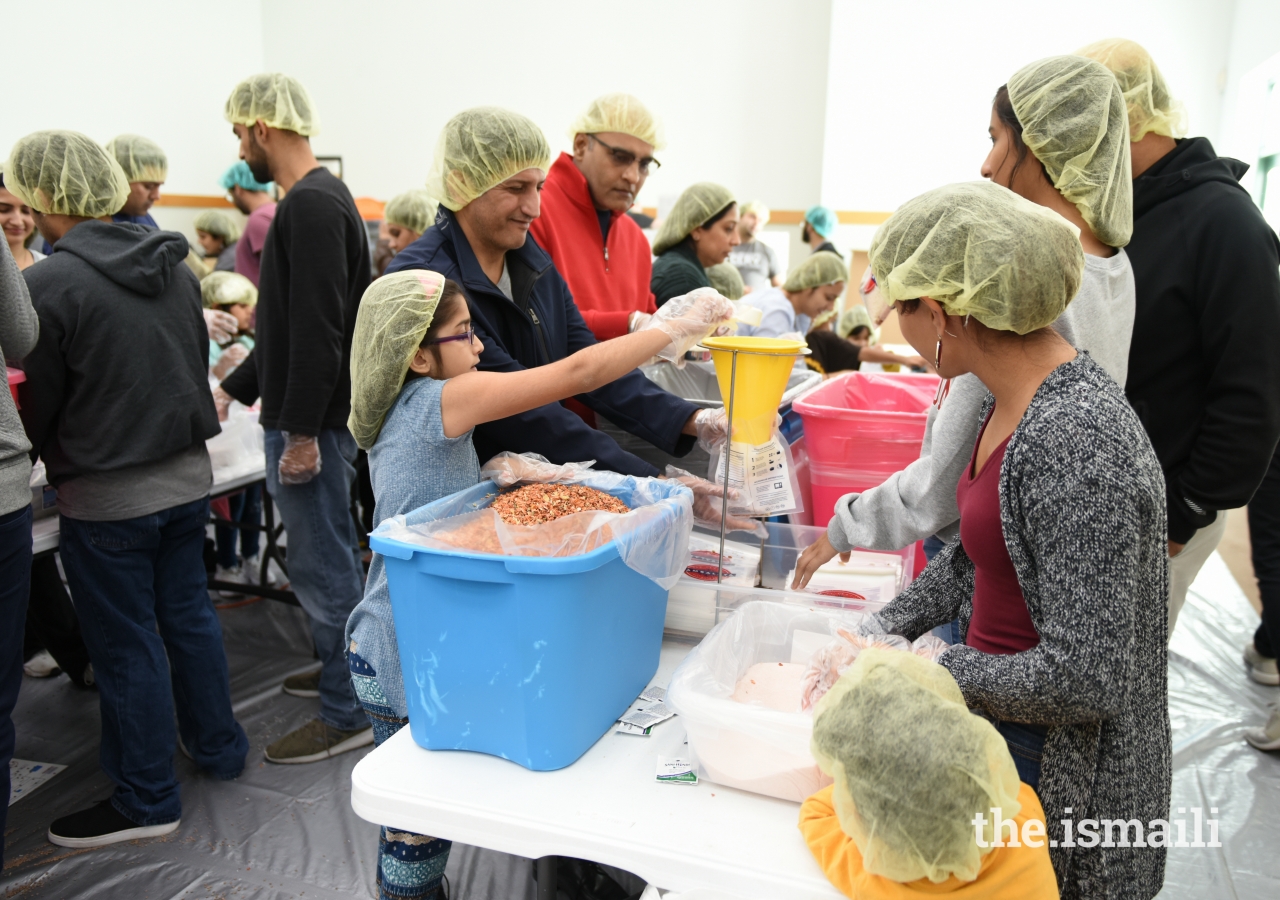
{"x":608,"y":281}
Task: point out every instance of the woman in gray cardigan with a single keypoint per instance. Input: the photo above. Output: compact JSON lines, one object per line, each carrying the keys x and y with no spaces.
{"x":1075,"y":665}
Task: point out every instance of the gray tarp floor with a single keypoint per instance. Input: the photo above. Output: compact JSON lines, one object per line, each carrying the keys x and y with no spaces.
{"x":288,"y":831}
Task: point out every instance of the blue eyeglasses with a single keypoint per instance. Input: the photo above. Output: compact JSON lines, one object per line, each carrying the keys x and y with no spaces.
{"x":468,"y":336}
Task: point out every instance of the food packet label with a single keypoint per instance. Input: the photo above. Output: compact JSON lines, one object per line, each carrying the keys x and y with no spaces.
{"x":648,"y":716}
{"x":676,"y":771}
{"x":759,"y":473}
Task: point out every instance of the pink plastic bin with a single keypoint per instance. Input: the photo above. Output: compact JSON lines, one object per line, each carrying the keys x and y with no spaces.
{"x":859,"y":429}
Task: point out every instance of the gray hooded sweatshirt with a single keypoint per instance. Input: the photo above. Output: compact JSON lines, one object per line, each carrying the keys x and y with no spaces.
{"x":18,"y":330}
{"x":920,"y":501}
{"x":119,"y":402}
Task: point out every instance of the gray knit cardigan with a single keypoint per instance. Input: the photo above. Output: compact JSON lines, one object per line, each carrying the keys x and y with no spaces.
{"x":1082,"y":505}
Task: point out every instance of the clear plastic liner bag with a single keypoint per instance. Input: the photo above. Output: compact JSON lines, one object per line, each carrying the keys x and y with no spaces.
{"x":829,"y":663}
{"x":508,"y":469}
{"x":652,"y":539}
{"x":762,"y":477}
{"x":744,"y":745}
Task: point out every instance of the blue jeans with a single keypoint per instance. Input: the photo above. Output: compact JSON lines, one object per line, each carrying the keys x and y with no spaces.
{"x":130,"y":579}
{"x":323,"y":557}
{"x":410,"y":866}
{"x":15,"y":579}
{"x":1026,"y":744}
{"x":246,"y":507}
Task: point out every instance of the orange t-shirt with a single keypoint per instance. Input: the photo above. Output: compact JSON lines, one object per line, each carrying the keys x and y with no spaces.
{"x":1007,"y":873}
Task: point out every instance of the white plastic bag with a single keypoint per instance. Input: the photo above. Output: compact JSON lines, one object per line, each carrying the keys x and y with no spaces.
{"x":763,"y":475}
{"x":653,"y":539}
{"x":751,"y":747}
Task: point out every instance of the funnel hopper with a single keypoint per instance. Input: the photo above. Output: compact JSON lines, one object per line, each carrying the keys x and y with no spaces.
{"x":764,"y":366}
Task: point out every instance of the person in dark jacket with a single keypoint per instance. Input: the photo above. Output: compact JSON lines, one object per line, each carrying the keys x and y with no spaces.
{"x":315,"y":268}
{"x":118,"y":407}
{"x":1204,"y":374}
{"x":522,"y":310}
{"x":698,"y":233}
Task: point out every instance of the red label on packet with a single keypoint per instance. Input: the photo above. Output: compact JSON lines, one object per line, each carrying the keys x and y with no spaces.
{"x":704,"y":572}
{"x":707,"y":556}
{"x":850,"y":595}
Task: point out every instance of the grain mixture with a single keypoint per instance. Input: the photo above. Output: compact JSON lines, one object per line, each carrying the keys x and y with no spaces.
{"x":536,"y":504}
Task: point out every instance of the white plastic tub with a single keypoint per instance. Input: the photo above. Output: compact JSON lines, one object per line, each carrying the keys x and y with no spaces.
{"x":752,"y":747}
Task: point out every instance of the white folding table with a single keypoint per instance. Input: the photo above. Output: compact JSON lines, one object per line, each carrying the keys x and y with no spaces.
{"x":606,"y":807}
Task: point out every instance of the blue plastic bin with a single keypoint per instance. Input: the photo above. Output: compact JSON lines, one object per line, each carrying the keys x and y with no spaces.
{"x":529,"y":658}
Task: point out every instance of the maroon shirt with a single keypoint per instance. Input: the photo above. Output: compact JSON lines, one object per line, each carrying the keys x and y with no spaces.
{"x":1000,"y":622}
{"x":249,"y":247}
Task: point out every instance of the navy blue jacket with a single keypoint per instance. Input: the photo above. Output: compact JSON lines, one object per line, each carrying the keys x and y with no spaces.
{"x":543,"y":325}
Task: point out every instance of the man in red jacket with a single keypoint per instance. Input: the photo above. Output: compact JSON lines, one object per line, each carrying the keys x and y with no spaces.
{"x":596,"y":247}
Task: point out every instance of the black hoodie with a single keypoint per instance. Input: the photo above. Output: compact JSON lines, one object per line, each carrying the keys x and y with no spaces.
{"x":1204,"y":365}
{"x":119,"y":377}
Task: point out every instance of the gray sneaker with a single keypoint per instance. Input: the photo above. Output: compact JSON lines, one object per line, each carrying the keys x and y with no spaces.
{"x":1268,"y":736}
{"x":1262,"y":669}
{"x":316,"y":741}
{"x":305,"y":685}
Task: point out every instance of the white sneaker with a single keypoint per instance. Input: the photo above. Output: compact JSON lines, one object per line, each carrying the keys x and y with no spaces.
{"x":252,"y":568}
{"x":1268,"y":736}
{"x":235,"y":575}
{"x":42,"y":665}
{"x":1262,"y":669}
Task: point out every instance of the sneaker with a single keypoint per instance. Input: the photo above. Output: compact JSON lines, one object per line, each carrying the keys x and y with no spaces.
{"x":42,"y":665}
{"x":253,"y":573}
{"x":316,"y":741}
{"x":1268,"y":736}
{"x":234,"y":575}
{"x":1262,"y":669}
{"x":100,"y":825}
{"x":305,"y":685}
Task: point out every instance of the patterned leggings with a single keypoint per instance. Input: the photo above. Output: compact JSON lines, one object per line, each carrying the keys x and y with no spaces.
{"x":410,"y":866}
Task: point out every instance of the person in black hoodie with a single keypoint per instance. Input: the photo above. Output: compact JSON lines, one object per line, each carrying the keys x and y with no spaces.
{"x":1204,"y":374}
{"x":118,"y":407}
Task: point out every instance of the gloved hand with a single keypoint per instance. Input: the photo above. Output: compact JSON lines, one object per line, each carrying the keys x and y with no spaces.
{"x":300,"y":461}
{"x":687,"y":320}
{"x":231,"y":357}
{"x":222,"y":326}
{"x":637,"y":321}
{"x":708,"y":503}
{"x":713,"y":428}
{"x":222,"y":402}
{"x":509,"y":468}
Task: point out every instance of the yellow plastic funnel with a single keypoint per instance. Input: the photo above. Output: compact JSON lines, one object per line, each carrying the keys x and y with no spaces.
{"x":761,"y":381}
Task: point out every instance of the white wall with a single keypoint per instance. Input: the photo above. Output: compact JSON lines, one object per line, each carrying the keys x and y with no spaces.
{"x":739,"y":84}
{"x":1253,"y":62}
{"x":156,"y":68}
{"x":911,"y":83}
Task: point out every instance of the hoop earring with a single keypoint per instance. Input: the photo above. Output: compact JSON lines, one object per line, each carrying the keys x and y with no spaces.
{"x":937,"y":355}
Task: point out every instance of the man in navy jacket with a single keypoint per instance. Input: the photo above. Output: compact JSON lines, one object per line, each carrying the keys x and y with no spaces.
{"x":521,"y":307}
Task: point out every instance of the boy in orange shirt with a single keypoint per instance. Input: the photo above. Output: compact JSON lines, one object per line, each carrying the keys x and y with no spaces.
{"x":926,"y":799}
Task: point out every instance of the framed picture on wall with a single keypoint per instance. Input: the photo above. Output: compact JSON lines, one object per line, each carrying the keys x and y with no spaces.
{"x":332,"y":163}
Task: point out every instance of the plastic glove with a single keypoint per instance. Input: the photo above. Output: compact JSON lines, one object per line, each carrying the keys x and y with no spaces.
{"x":637,"y":321}
{"x":222,"y":326}
{"x":300,"y":461}
{"x":708,"y":504}
{"x":509,"y":468}
{"x":222,"y":402}
{"x":687,"y":320}
{"x":231,"y":357}
{"x":713,"y":428}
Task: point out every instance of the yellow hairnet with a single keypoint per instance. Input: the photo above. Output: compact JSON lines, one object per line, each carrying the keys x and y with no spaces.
{"x":979,"y":249}
{"x":278,"y":100}
{"x":1152,"y":110}
{"x":761,"y":211}
{"x":414,"y":210}
{"x":226,"y":288}
{"x":141,"y":158}
{"x":699,"y":203}
{"x":481,"y":148}
{"x":823,"y":267}
{"x":218,"y":224}
{"x":393,"y":318}
{"x":854,"y":318}
{"x":66,"y":173}
{"x":621,"y":113}
{"x":1073,"y":120}
{"x":727,"y":280}
{"x":912,"y":767}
